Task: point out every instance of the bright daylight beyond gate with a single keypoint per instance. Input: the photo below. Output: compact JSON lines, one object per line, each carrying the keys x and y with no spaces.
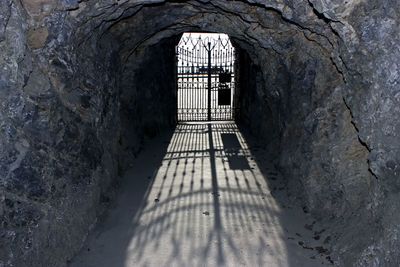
{"x":205,"y":77}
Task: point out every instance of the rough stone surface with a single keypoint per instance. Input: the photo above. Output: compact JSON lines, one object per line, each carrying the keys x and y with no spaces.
{"x":148,"y":95}
{"x":323,"y":77}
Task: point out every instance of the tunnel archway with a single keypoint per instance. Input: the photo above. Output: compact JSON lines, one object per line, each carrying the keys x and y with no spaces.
{"x":76,"y":104}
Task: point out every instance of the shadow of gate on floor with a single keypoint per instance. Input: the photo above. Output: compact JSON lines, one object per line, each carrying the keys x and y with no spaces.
{"x":207,"y":203}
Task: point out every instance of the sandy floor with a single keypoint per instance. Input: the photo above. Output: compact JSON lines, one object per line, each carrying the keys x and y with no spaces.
{"x":203,"y":196}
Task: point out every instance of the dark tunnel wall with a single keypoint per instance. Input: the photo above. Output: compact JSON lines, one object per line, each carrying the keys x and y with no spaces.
{"x":310,"y":126}
{"x":148,"y":95}
{"x":255,"y":111}
{"x":322,"y":78}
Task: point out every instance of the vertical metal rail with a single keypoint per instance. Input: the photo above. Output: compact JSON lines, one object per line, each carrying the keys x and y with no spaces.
{"x":176,"y":82}
{"x":209,"y":81}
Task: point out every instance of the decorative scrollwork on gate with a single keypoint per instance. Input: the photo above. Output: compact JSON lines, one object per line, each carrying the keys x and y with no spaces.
{"x":205,"y":77}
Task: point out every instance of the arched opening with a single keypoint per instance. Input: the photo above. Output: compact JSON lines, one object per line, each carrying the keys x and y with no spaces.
{"x":205,"y":77}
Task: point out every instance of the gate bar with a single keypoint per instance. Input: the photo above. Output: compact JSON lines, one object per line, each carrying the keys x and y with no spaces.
{"x":209,"y":81}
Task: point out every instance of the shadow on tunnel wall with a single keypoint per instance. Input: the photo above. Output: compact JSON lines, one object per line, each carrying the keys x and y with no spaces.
{"x":207,"y":202}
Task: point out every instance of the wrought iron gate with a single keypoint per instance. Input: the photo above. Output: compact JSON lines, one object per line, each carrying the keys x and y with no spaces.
{"x":205,"y":78}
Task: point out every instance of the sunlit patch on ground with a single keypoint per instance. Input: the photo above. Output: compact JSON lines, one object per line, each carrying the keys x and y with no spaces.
{"x":207,"y":203}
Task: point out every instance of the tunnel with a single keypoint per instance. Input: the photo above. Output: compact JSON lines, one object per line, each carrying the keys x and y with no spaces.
{"x":86,"y":87}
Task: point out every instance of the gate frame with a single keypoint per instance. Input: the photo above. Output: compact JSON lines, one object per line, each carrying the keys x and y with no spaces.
{"x":234,"y":109}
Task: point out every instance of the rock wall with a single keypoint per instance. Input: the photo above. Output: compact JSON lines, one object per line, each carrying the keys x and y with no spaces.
{"x":57,"y":150}
{"x":297,"y":105}
{"x":148,"y":95}
{"x":330,"y":162}
{"x":255,"y":108}
{"x":369,"y":54}
{"x":75,"y":101}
